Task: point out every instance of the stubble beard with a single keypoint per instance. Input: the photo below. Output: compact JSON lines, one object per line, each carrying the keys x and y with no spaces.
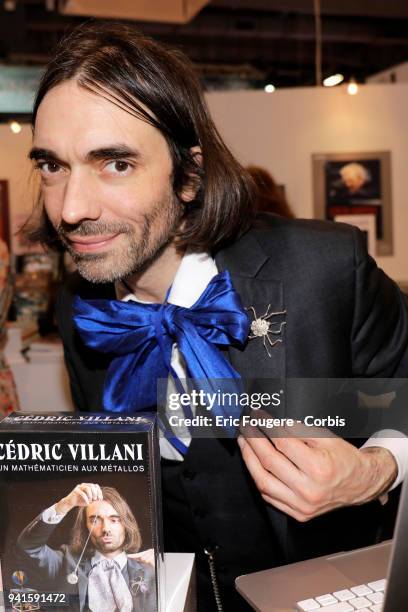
{"x":142,"y":246}
{"x":104,"y":547}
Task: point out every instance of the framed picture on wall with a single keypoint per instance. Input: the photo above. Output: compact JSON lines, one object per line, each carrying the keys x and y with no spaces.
{"x":347,"y":184}
{"x":4,"y":213}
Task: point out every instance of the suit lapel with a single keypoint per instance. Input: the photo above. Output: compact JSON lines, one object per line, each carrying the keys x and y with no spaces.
{"x":136,"y":576}
{"x":253,"y":279}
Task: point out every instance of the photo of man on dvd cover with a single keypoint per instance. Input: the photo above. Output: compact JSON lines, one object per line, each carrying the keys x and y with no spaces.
{"x":100,"y":568}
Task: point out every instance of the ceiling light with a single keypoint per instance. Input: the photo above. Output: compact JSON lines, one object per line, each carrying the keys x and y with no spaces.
{"x":333,"y":80}
{"x":269,"y":88}
{"x":15,"y":127}
{"x":352,"y":87}
{"x":10,"y":5}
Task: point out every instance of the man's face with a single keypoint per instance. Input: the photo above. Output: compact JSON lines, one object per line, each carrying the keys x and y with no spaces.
{"x":353,"y":179}
{"x":106,"y":182}
{"x":108,"y":532}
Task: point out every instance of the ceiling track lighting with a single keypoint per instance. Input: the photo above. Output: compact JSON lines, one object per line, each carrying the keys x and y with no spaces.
{"x":352,"y":87}
{"x":333,"y":80}
{"x":15,"y":127}
{"x":269,"y":88}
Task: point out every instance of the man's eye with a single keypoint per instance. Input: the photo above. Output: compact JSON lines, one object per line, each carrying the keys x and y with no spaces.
{"x":119,"y":167}
{"x":48,"y":167}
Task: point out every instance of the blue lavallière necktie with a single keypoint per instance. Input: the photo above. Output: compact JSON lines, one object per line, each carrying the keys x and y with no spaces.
{"x":140,"y":339}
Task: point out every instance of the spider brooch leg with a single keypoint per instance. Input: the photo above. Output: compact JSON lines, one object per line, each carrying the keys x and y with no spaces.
{"x":276,"y":331}
{"x":271,"y":342}
{"x":253,"y":310}
{"x":266,"y":346}
{"x":268,"y":315}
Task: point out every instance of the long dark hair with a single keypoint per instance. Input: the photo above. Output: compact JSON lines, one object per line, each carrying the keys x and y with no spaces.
{"x":136,"y":73}
{"x":133,"y":539}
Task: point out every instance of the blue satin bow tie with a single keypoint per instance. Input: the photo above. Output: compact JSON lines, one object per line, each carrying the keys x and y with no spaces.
{"x":140,"y":337}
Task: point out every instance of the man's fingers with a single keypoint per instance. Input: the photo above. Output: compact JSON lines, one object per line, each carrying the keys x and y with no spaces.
{"x":87,"y":488}
{"x":275,"y":462}
{"x":298,"y":452}
{"x":303,"y":453}
{"x":290,"y":459}
{"x":93,"y":491}
{"x":89,"y":492}
{"x":96,"y":492}
{"x":297,"y":442}
{"x":82,"y":496}
{"x":268,"y":484}
{"x":302,"y":517}
{"x":276,"y":493}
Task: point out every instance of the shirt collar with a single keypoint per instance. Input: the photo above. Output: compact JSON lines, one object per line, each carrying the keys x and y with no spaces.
{"x":120,"y":559}
{"x":192,"y":277}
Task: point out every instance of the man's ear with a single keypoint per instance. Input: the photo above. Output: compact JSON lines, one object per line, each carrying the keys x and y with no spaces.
{"x":193,"y":179}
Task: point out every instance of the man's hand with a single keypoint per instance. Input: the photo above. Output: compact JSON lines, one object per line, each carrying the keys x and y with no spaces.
{"x":305,"y":477}
{"x":82,"y":495}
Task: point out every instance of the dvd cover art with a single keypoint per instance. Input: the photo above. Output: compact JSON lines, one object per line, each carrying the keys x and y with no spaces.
{"x":80,"y":513}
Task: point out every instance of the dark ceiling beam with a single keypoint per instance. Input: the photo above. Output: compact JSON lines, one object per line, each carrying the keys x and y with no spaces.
{"x":301,"y":29}
{"x":360,"y":8}
{"x":261,"y":52}
{"x":283,"y":56}
{"x":364,"y":8}
{"x":279,"y":55}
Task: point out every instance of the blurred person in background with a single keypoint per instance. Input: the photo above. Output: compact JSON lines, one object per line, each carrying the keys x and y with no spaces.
{"x":269,"y":196}
{"x":8,"y":393}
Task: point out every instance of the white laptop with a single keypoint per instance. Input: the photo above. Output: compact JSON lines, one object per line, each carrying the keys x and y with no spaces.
{"x":371,"y":579}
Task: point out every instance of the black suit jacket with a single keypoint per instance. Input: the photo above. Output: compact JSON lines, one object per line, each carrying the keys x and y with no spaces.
{"x":58,"y":564}
{"x":345,"y":318}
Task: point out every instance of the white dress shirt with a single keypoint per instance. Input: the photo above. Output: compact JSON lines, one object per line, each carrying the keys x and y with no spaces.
{"x":120,"y":558}
{"x":51,"y":516}
{"x":192,"y":277}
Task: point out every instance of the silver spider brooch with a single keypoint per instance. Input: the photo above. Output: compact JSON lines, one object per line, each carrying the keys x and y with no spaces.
{"x":261,"y":327}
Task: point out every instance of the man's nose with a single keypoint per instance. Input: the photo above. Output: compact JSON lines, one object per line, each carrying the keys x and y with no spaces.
{"x":80,"y":199}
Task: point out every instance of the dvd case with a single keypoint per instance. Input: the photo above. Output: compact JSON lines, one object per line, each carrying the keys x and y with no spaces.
{"x":80,"y":510}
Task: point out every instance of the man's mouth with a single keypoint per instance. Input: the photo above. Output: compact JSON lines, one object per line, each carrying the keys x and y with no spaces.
{"x":89,"y":244}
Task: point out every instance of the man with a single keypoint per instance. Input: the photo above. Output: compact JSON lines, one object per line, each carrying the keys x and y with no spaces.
{"x":137,"y":185}
{"x":99,"y":559}
{"x":354,"y":177}
{"x":354,"y":184}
